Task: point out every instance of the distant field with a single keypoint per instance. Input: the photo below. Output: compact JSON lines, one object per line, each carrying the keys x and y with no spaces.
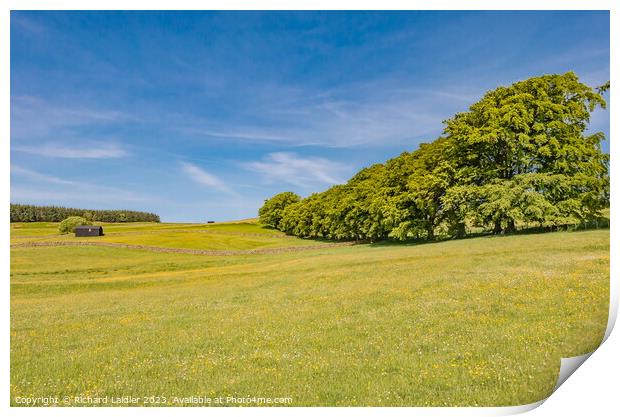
{"x":247,"y":235}
{"x":45,"y":228}
{"x":479,"y":321}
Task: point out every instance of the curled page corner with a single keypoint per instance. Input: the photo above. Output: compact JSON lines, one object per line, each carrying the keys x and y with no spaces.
{"x":520,"y":409}
{"x":568,"y":366}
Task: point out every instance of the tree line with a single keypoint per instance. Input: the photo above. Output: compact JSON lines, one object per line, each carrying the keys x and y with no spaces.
{"x":32,"y":213}
{"x":520,"y":156}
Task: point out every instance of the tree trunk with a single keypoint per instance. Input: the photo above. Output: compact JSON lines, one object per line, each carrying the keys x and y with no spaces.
{"x":497,"y":229}
{"x":430,"y":232}
{"x":511,"y":228}
{"x":460,"y":230}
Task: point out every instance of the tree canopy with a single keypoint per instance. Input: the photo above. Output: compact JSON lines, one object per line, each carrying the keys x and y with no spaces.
{"x":520,"y":155}
{"x":270,"y":213}
{"x":30,"y":213}
{"x":69,"y":224}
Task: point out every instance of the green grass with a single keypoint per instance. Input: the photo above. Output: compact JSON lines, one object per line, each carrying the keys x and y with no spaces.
{"x":210,"y":241}
{"x":34,"y":229}
{"x":51,"y":228}
{"x":245,"y":235}
{"x":479,"y":321}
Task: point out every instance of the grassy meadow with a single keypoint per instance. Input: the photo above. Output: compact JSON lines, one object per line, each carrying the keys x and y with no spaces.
{"x":480,"y":321}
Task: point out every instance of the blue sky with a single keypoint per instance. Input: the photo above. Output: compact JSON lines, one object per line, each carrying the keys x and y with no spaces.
{"x":203,"y":115}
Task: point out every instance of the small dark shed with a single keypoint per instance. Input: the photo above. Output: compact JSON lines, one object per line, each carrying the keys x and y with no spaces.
{"x":210,"y":221}
{"x":88,"y":231}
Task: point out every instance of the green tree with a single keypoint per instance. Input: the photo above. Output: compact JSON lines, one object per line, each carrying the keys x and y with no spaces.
{"x":270,"y":214}
{"x":534,"y":126}
{"x":69,"y":224}
{"x":520,"y":155}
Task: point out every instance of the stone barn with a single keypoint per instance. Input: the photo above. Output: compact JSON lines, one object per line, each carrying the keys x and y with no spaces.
{"x":81,"y":231}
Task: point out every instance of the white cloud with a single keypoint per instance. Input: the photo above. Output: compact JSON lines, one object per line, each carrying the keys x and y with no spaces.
{"x":45,"y":190}
{"x":291,"y":168}
{"x":202,"y":177}
{"x":27,"y":24}
{"x":85,"y":151}
{"x":368,"y":114}
{"x":36,"y":176}
{"x":252,"y":135}
{"x":34,"y":117}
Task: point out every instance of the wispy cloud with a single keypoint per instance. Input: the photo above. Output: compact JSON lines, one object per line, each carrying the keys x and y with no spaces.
{"x":252,"y":135}
{"x":371,"y":114}
{"x":85,"y":151}
{"x":37,"y":176}
{"x":34,"y":117}
{"x":291,"y":168}
{"x":202,"y":177}
{"x":19,"y":20}
{"x":43,"y":188}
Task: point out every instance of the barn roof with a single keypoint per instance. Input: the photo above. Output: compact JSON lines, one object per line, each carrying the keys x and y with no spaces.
{"x":87,"y":227}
